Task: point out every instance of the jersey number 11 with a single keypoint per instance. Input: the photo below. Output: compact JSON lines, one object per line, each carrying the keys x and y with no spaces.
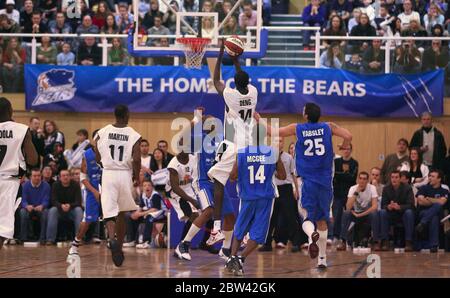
{"x":113,"y":149}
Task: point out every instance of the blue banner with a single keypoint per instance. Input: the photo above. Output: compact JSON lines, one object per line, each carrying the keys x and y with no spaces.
{"x":282,"y":90}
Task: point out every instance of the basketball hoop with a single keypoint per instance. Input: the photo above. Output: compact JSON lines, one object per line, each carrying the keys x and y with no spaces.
{"x":194,"y":50}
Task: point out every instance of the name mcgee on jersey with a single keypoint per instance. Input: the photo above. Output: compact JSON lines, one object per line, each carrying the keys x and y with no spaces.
{"x":6,"y":134}
{"x":313,"y":133}
{"x":118,"y":137}
{"x":256,"y":158}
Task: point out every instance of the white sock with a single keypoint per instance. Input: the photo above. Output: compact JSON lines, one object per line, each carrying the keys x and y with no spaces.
{"x":217,"y":225}
{"x":322,"y":243}
{"x":228,"y":237}
{"x":308,"y":228}
{"x":193,"y":230}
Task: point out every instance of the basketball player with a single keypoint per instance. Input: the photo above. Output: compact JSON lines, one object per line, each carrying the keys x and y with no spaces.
{"x":314,"y":164}
{"x":240,"y":104}
{"x":203,"y":189}
{"x":16,"y":151}
{"x":255,"y":168}
{"x":91,"y":175}
{"x":117,"y":148}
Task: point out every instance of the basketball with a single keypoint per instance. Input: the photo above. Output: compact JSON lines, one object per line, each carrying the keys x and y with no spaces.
{"x":234,"y":46}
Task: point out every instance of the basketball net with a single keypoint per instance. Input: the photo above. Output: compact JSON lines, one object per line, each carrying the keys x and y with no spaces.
{"x":194,"y":50}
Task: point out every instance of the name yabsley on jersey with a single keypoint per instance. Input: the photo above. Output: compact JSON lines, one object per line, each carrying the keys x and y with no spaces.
{"x":6,"y":134}
{"x":313,"y":133}
{"x":118,"y":137}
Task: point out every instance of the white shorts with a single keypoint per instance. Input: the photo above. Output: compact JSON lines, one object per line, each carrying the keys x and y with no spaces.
{"x":8,"y":204}
{"x":225,"y":159}
{"x":184,"y":209}
{"x":117,"y":193}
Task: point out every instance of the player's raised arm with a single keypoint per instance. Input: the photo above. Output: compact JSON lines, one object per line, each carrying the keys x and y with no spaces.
{"x":31,"y":156}
{"x":285,"y":131}
{"x":341,"y":132}
{"x":220,"y":86}
{"x":136,"y":160}
{"x":236,"y":63}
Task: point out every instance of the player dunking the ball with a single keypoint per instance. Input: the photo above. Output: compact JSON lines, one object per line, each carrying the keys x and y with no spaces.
{"x":240,"y":104}
{"x":117,"y":148}
{"x":314,"y":164}
{"x":16,"y":150}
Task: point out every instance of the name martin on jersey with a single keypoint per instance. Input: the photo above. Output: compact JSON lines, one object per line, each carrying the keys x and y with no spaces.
{"x":313,"y":133}
{"x":118,"y":137}
{"x":6,"y":134}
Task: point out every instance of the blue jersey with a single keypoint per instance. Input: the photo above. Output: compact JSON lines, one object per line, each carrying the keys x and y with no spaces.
{"x":255,"y":173}
{"x":204,"y":147}
{"x":94,"y":172}
{"x":314,"y":152}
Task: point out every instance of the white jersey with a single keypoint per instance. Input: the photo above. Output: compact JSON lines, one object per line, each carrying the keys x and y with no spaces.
{"x":115,"y":145}
{"x":184,"y":175}
{"x":12,"y":135}
{"x":239,"y":111}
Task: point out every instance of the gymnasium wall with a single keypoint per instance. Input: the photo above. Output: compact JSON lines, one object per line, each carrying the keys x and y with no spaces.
{"x":372,"y":138}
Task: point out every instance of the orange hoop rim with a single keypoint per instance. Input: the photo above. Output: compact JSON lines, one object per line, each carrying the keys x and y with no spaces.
{"x":195,"y":43}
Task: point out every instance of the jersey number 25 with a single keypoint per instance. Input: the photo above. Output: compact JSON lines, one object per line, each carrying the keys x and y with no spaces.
{"x":314,"y":147}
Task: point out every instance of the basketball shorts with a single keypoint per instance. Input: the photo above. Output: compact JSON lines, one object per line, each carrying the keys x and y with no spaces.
{"x":91,"y":208}
{"x":254,"y":218}
{"x":117,"y":193}
{"x":225,"y":159}
{"x":9,"y":202}
{"x":205,"y":194}
{"x":315,"y":200}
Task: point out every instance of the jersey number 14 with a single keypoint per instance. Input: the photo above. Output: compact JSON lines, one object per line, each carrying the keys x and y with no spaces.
{"x":258,"y":176}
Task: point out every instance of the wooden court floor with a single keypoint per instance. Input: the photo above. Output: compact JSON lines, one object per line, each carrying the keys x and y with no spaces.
{"x":18,"y":261}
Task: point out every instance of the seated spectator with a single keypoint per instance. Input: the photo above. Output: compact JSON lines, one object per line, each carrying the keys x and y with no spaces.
{"x":169,"y":18}
{"x":163,"y":60}
{"x":158,"y":166}
{"x":356,"y":15}
{"x":157,"y":29}
{"x":36,"y":26}
{"x":46,"y":53}
{"x":313,"y":14}
{"x":99,"y":18}
{"x":375,"y":180}
{"x":124,"y":19}
{"x":393,"y":9}
{"x":361,"y":208}
{"x":231,"y":27}
{"x":397,"y":207}
{"x":7,"y":26}
{"x":207,"y":27}
{"x":35,"y":203}
{"x":407,"y":58}
{"x":59,"y":26}
{"x":117,"y":54}
{"x":117,"y":5}
{"x":26,"y":14}
{"x":433,"y":17}
{"x":66,"y":202}
{"x":342,"y":8}
{"x":89,"y":53}
{"x":408,"y":14}
{"x":57,"y":157}
{"x":373,"y":58}
{"x":364,"y":28}
{"x":148,"y":20}
{"x":394,"y":161}
{"x":52,"y":135}
{"x":418,"y":170}
{"x":248,"y":17}
{"x":14,"y":57}
{"x":332,"y":57}
{"x":435,"y":57}
{"x":383,"y":21}
{"x":151,"y":210}
{"x":189,"y":6}
{"x":430,"y":201}
{"x":336,"y":29}
{"x":37,"y":137}
{"x":75,"y":175}
{"x":74,"y":156}
{"x":226,"y":8}
{"x":110,"y":26}
{"x":207,"y":6}
{"x":416,"y":30}
{"x":146,"y":158}
{"x":355,"y":62}
{"x":368,"y":9}
{"x":143,"y":8}
{"x":87,"y":26}
{"x":66,"y":57}
{"x":48,"y":9}
{"x":438,"y":31}
{"x":164,"y":146}
{"x":421,"y":6}
{"x":10,"y":11}
{"x":47,"y":175}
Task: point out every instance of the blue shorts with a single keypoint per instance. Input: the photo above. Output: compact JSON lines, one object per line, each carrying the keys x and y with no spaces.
{"x":254,"y":218}
{"x":91,"y":208}
{"x":205,"y":195}
{"x":316,"y":200}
